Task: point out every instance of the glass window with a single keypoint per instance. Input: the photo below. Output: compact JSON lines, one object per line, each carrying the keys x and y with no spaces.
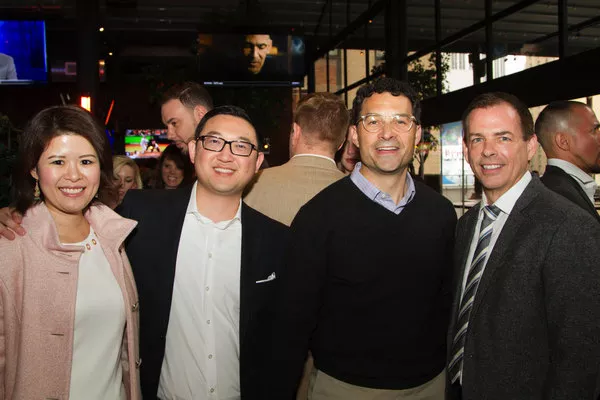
{"x":464,"y":62}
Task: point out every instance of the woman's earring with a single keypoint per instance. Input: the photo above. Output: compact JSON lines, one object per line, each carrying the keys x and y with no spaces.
{"x":36,"y":191}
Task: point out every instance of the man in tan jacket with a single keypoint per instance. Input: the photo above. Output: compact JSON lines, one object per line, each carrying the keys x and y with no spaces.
{"x":319,"y":129}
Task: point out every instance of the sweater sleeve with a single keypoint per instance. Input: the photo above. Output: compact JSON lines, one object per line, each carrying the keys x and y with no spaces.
{"x":298,"y":302}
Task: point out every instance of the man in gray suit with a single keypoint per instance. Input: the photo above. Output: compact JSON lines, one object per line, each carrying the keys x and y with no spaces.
{"x":569,"y":132}
{"x":7,"y":67}
{"x":527,"y":294}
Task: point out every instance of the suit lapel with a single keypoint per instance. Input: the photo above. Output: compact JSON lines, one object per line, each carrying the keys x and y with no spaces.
{"x":250,"y":244}
{"x":569,"y":180}
{"x":506,"y":240}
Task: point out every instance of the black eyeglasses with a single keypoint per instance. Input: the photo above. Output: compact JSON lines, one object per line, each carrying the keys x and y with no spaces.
{"x":217,"y":144}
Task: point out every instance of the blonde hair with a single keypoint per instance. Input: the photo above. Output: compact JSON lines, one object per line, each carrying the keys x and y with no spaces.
{"x":120,"y":161}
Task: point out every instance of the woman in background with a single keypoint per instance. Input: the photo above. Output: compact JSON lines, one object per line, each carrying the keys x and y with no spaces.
{"x":174,"y":169}
{"x":68,"y":303}
{"x":126,"y":176}
{"x":348,"y":156}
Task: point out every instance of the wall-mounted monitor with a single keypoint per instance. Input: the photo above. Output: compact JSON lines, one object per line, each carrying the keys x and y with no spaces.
{"x":262,"y":59}
{"x":145,"y":143}
{"x":22,"y":52}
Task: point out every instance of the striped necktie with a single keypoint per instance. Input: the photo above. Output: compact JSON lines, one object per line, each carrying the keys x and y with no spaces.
{"x":490,"y":213}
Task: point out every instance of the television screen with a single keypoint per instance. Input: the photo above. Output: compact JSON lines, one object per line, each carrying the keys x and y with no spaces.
{"x":145,"y":143}
{"x":22,"y":52}
{"x":251,"y":59}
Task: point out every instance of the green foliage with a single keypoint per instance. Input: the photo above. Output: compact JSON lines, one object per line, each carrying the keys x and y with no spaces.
{"x":422,"y":75}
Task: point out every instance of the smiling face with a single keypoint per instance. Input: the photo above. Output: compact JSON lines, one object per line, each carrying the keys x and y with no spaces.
{"x":387,"y":152}
{"x":256,"y":48}
{"x":181,"y":121}
{"x":171,"y":175}
{"x":124,"y":180}
{"x":223,"y":173}
{"x":496,"y":150}
{"x":68,"y":172}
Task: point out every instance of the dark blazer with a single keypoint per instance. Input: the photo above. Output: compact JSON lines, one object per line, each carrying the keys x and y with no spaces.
{"x":562,"y":183}
{"x":152,"y":250}
{"x":533,"y":331}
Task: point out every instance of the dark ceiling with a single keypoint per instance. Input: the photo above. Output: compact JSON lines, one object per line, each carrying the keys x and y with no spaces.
{"x":137,"y":27}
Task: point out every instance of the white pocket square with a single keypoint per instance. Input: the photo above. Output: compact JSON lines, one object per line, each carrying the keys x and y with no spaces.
{"x":269,"y":278}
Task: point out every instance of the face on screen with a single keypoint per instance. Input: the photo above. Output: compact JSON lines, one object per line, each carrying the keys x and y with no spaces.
{"x":255,"y":49}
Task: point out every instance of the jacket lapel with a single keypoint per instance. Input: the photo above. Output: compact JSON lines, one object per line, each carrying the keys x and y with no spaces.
{"x":250,"y":242}
{"x":506,"y":240}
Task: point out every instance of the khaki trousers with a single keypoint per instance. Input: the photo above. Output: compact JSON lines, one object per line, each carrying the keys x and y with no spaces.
{"x":325,"y":387}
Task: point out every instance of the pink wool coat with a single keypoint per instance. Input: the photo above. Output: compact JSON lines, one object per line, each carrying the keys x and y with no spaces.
{"x":38,"y":286}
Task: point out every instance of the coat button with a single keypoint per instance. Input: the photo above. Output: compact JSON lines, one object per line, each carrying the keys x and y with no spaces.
{"x":138,"y":363}
{"x":135,"y":306}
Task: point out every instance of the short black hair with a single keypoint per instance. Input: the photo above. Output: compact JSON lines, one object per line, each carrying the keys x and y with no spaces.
{"x":554,"y":118}
{"x":233,"y":111}
{"x":487,"y":100}
{"x":190,"y":94}
{"x":386,"y":85}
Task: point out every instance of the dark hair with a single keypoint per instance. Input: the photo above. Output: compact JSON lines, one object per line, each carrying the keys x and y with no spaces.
{"x":324,"y":116}
{"x":555,"y":117}
{"x":386,"y":85}
{"x":45,"y":126}
{"x":487,"y":100}
{"x":233,"y":111}
{"x":190,"y":94}
{"x":182,"y":162}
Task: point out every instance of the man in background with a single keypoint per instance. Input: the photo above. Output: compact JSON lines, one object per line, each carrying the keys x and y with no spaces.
{"x":8,"y":70}
{"x":255,"y":49}
{"x":527,"y":299}
{"x":182,"y":108}
{"x":569,"y":133}
{"x":320,"y":123}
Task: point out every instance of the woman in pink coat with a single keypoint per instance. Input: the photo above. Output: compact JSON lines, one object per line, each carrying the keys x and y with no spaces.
{"x":68,"y":303}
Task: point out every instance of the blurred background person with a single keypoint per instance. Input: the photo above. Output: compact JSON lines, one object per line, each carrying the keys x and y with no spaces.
{"x":348,"y":156}
{"x":126,"y":176}
{"x":174,"y":169}
{"x":69,"y":306}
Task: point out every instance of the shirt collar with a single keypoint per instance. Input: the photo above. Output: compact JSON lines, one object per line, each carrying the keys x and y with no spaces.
{"x":192,"y":208}
{"x":586,"y":181}
{"x":373,"y":191}
{"x":507,"y":201}
{"x":315,"y":155}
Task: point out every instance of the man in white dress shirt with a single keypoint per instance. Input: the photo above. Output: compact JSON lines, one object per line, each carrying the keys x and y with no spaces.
{"x":569,"y":132}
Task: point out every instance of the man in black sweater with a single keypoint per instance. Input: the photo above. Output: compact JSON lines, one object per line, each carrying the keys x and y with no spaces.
{"x":367,"y":286}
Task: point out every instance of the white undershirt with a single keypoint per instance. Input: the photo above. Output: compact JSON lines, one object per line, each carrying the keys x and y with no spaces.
{"x":202,"y":346}
{"x":96,"y":372}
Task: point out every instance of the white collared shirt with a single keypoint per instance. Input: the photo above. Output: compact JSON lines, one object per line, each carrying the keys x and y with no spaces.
{"x":586,"y":182}
{"x":202,"y":346}
{"x":505,"y":203}
{"x":315,"y":155}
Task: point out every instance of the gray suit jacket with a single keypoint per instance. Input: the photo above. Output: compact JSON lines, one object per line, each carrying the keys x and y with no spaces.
{"x":7,"y":67}
{"x":534,"y":330}
{"x":279,"y":192}
{"x":562,"y":183}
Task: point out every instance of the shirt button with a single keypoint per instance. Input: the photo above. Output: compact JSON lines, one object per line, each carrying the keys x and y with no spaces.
{"x":210,"y":356}
{"x":208,"y":321}
{"x":207,"y":288}
{"x":209,"y":255}
{"x":212,"y":390}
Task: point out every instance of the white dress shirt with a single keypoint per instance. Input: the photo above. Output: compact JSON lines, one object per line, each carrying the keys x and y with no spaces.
{"x":586,"y":182}
{"x":505,"y":203}
{"x":202,"y":346}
